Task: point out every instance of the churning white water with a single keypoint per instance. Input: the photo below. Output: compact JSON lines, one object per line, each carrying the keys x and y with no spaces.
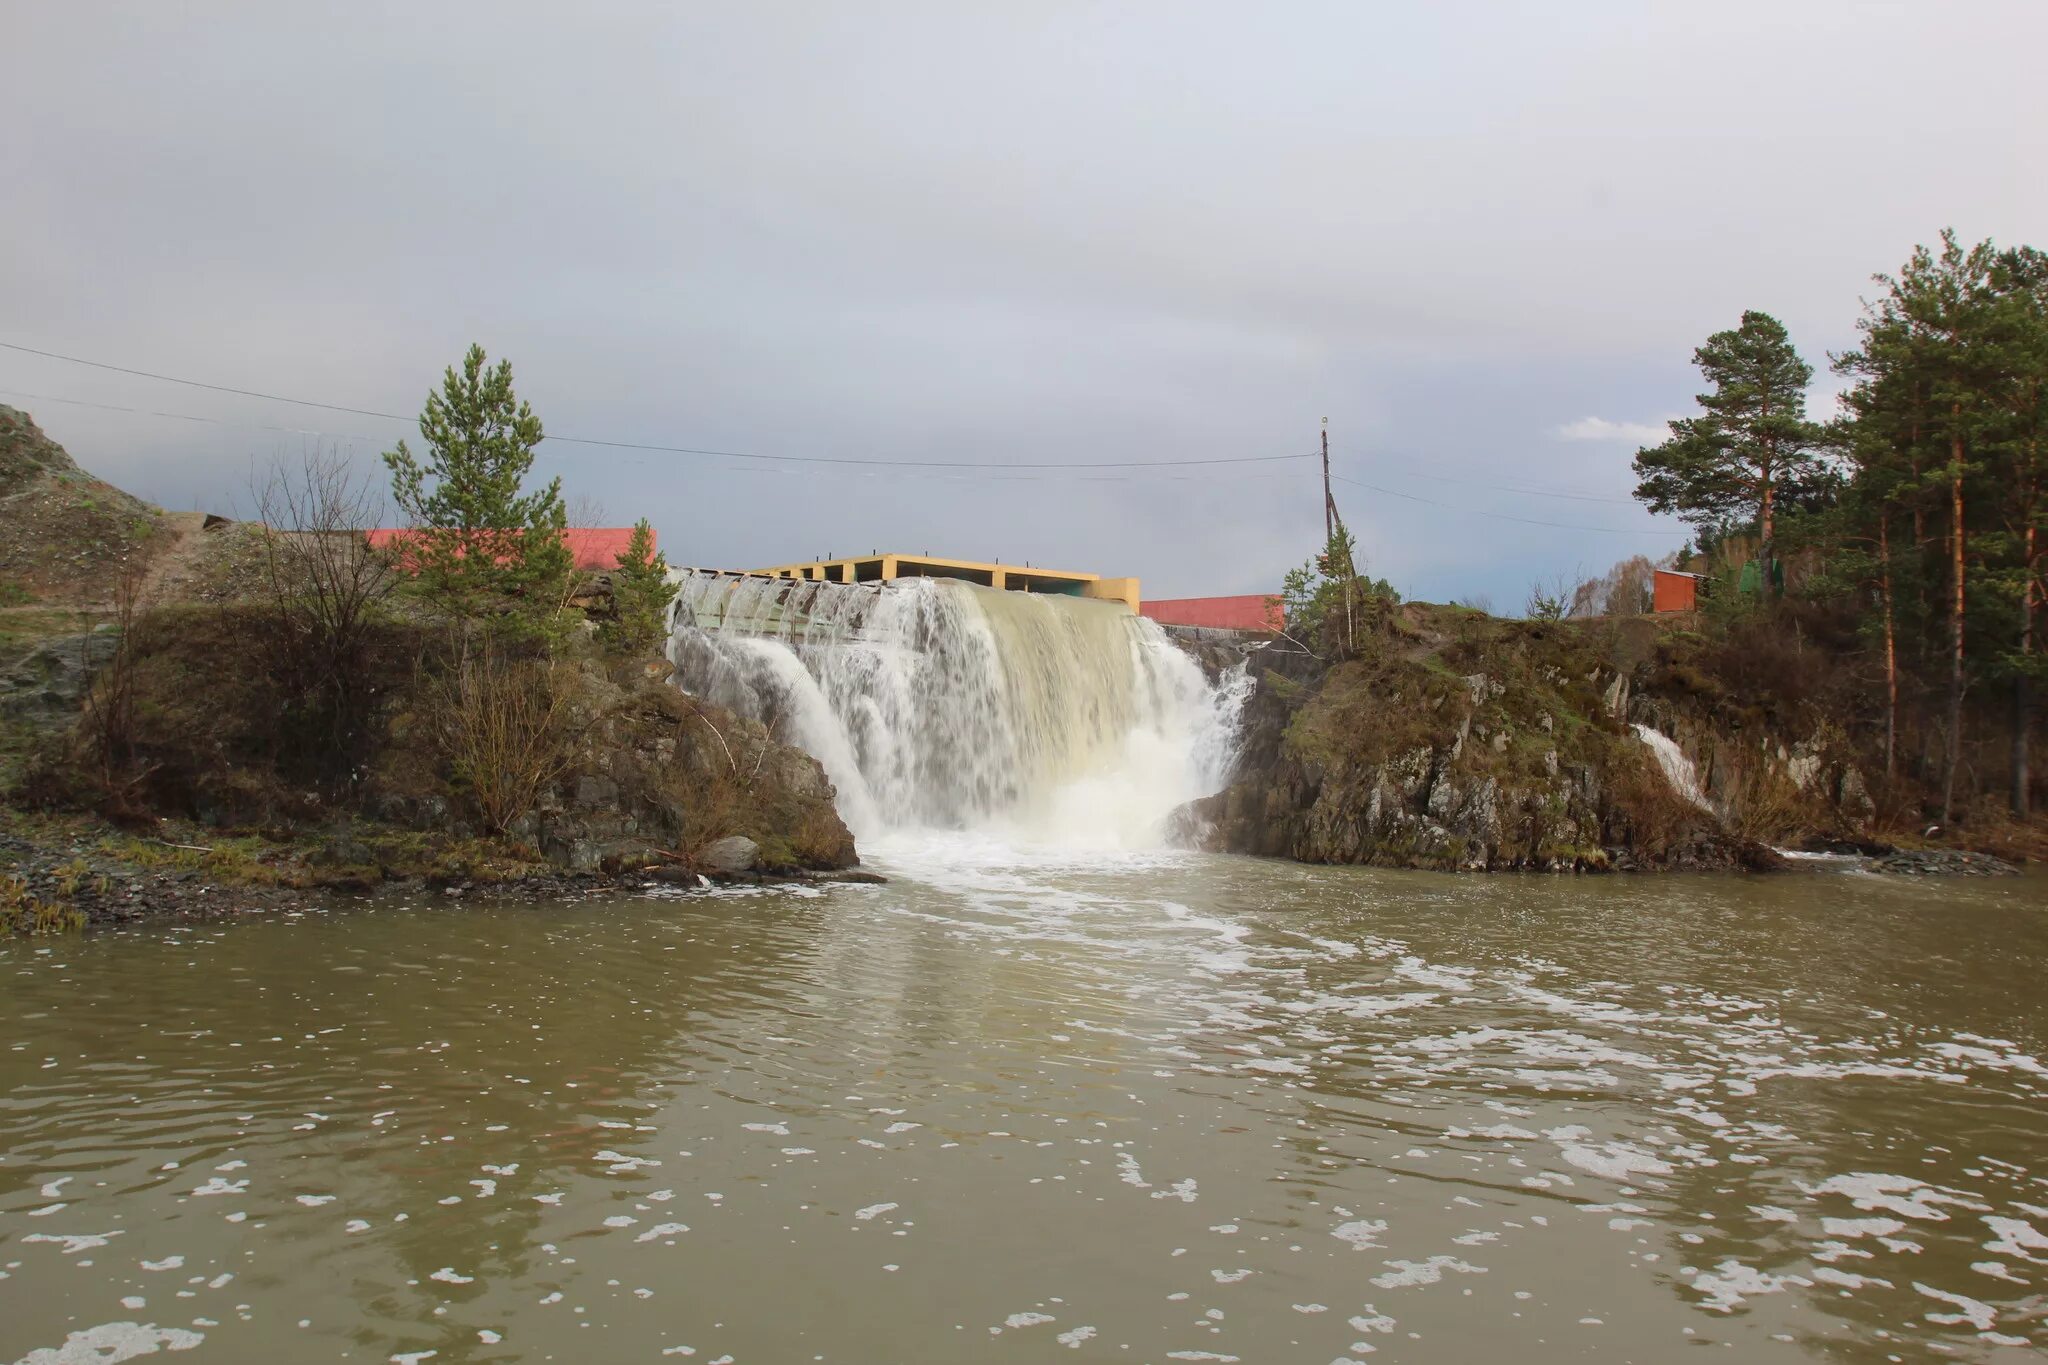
{"x":938,"y":704}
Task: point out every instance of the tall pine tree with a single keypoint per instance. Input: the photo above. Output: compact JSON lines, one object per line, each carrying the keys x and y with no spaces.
{"x":1750,"y":446}
{"x":1929,"y":362}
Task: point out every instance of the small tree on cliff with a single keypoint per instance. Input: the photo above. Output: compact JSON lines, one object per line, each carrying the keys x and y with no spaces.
{"x":1751,"y":445}
{"x":477,"y":543}
{"x":640,"y":594}
{"x":1313,"y":600}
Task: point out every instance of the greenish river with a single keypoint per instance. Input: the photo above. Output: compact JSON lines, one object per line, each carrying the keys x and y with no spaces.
{"x":1011,"y":1107}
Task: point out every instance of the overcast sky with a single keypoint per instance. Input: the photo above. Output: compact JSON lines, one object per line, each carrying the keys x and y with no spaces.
{"x":1481,"y":240}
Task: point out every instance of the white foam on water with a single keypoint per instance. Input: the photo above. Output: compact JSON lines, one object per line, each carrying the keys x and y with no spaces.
{"x":1731,"y":1283}
{"x":1408,"y":1274}
{"x":2016,"y":1237}
{"x":1974,"y":1313}
{"x":1360,"y":1233}
{"x":111,"y":1342}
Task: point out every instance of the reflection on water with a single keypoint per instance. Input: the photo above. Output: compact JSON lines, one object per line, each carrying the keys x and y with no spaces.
{"x":1156,"y":1108}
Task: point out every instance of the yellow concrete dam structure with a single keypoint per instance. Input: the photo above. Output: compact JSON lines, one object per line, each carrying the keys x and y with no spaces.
{"x":1009,"y":577}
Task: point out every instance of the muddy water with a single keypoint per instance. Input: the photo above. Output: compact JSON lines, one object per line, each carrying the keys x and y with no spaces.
{"x":1142,"y":1109}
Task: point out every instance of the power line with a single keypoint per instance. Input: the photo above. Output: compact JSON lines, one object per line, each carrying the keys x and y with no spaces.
{"x":961,"y":474}
{"x":187,"y":417}
{"x":1517,"y":488}
{"x":656,"y":448}
{"x":1496,"y":516}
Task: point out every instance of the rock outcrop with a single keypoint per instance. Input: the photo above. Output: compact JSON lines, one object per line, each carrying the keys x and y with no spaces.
{"x":1460,"y":742}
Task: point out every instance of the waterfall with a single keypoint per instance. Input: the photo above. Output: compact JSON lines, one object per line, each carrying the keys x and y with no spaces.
{"x":1678,"y":769}
{"x":937,"y":704}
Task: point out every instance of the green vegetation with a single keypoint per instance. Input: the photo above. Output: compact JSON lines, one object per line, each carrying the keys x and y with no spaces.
{"x":1330,"y":607}
{"x":1908,"y":532}
{"x":479,"y":546}
{"x":1752,"y":445}
{"x":640,"y":596}
{"x":22,"y":912}
{"x":462,"y":706}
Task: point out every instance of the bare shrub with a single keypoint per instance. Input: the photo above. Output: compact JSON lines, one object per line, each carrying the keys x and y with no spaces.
{"x":1658,"y":817}
{"x":1624,"y":590}
{"x":503,"y":725}
{"x":1768,"y":806}
{"x":325,"y":584}
{"x":109,"y":732}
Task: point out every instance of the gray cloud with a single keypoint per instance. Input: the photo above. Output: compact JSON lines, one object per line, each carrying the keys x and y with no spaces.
{"x":1045,"y":231}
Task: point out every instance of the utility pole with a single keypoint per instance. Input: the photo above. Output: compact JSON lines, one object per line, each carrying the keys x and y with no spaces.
{"x":1337,"y":560}
{"x":1329,"y":503}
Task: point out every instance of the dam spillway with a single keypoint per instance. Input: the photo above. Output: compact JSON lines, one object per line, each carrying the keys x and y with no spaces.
{"x":935,"y":703}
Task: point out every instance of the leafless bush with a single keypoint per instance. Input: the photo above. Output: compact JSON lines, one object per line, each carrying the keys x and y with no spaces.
{"x":503,"y":725}
{"x":1658,"y":817}
{"x":1768,"y":806}
{"x":108,"y":730}
{"x":324,"y":583}
{"x":1624,"y":590}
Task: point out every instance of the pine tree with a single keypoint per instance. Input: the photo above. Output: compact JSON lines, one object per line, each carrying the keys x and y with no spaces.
{"x":2019,"y":443}
{"x":640,"y":594}
{"x":1751,"y":445}
{"x":1927,"y":358}
{"x":478,"y":544}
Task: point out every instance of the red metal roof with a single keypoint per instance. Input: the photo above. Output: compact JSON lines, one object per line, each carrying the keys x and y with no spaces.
{"x":595,"y":548}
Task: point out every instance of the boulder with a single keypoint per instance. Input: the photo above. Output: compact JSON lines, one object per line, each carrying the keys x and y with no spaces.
{"x":731,"y":855}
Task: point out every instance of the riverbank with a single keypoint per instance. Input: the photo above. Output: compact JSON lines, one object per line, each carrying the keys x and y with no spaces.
{"x":198,"y":713}
{"x":67,"y":872}
{"x":1458,"y":741}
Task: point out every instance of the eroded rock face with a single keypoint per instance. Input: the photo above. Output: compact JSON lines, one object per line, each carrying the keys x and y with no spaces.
{"x":46,"y":686}
{"x":1400,"y":760}
{"x":659,"y":775}
{"x":659,"y":779}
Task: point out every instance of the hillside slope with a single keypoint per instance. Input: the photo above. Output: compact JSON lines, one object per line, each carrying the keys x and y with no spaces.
{"x":66,"y":538}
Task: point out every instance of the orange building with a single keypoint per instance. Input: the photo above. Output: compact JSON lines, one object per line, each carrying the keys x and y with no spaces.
{"x":1675,"y":591}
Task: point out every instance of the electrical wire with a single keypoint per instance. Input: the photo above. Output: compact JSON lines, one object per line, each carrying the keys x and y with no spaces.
{"x":657,"y":448}
{"x":1495,"y":516}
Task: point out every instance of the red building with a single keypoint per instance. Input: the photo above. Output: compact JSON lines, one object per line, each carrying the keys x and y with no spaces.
{"x":1257,"y":612}
{"x":1674,"y":591}
{"x":596,"y":549}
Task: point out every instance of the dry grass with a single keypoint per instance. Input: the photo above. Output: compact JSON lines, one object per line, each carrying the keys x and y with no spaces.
{"x":21,"y":912}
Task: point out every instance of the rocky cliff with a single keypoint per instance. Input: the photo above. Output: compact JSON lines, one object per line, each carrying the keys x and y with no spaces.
{"x":1457,"y":741}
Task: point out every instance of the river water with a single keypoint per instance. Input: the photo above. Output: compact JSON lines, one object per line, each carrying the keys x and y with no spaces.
{"x":1022,"y":1106}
